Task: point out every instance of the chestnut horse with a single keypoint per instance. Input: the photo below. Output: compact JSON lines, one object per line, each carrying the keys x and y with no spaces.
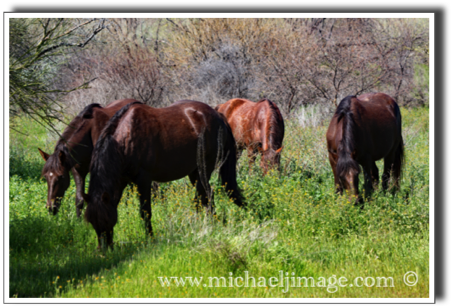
{"x":257,"y":127}
{"x":363,"y":130}
{"x":141,"y":144}
{"x":73,"y":152}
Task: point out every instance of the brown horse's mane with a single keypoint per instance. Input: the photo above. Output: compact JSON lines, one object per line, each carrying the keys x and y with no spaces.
{"x":347,"y":144}
{"x":54,"y":162}
{"x":275,"y":125}
{"x":78,"y":122}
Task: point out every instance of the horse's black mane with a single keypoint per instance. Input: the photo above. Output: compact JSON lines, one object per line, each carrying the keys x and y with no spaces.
{"x":106,"y":171}
{"x":106,"y":159}
{"x":87,"y":112}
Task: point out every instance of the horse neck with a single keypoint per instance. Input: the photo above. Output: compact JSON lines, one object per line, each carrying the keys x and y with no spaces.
{"x":114,"y":186}
{"x":107,"y":167}
{"x":79,"y":145}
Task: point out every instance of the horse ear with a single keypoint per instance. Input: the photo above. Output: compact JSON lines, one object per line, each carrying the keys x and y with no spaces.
{"x":105,"y":197}
{"x":44,"y":155}
{"x":217,"y":107}
{"x":279,"y":150}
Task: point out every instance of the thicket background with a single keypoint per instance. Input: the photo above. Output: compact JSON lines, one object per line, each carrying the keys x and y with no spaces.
{"x":293,"y":62}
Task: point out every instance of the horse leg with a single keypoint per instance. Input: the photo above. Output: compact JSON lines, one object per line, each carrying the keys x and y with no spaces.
{"x":80,"y":180}
{"x":201,"y":194}
{"x":374,"y":174}
{"x":105,"y":238}
{"x":398,"y":163}
{"x":252,"y":154}
{"x":339,"y":188}
{"x":239,"y":152}
{"x":155,"y":189}
{"x":109,"y":237}
{"x":388,"y":165}
{"x":144,"y":189}
{"x":367,"y":174}
{"x":264,"y":163}
{"x":101,"y":239}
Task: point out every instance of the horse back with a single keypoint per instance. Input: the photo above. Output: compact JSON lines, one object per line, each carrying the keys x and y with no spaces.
{"x":254,"y":122}
{"x":234,"y":108}
{"x":240,"y":114}
{"x":378,"y":117}
{"x":153,"y":139}
{"x":116,"y":105}
{"x":102,"y":115}
{"x":377,"y":109}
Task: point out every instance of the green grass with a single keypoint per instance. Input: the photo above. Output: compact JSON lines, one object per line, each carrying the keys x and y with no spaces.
{"x":295,"y":224}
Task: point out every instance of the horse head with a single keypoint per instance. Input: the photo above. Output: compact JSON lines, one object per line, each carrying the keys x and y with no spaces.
{"x":348,"y":170}
{"x":270,"y":158}
{"x":102,"y":214}
{"x":57,"y":176}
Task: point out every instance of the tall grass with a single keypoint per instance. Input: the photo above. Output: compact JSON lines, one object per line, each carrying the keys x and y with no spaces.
{"x":294,"y":222}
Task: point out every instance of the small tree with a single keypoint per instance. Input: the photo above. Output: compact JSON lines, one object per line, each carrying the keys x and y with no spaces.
{"x":37,"y":49}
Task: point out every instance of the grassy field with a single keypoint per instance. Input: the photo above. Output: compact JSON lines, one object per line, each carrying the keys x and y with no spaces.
{"x":295,"y":224}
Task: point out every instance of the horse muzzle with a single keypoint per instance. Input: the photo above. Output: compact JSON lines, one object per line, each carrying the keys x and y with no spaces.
{"x":53,"y":206}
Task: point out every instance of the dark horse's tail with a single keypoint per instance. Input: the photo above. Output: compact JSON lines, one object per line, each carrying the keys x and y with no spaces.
{"x":399,"y":159}
{"x":227,"y":171}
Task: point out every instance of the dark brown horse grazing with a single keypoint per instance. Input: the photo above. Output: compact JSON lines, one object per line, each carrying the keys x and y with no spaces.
{"x":73,"y":152}
{"x":257,"y":127}
{"x":142,"y":144}
{"x":363,"y":130}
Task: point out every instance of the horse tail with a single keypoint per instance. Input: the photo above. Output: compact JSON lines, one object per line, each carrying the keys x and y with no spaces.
{"x":274,"y":128}
{"x":227,"y":172}
{"x":399,"y":159}
{"x":346,"y":146}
